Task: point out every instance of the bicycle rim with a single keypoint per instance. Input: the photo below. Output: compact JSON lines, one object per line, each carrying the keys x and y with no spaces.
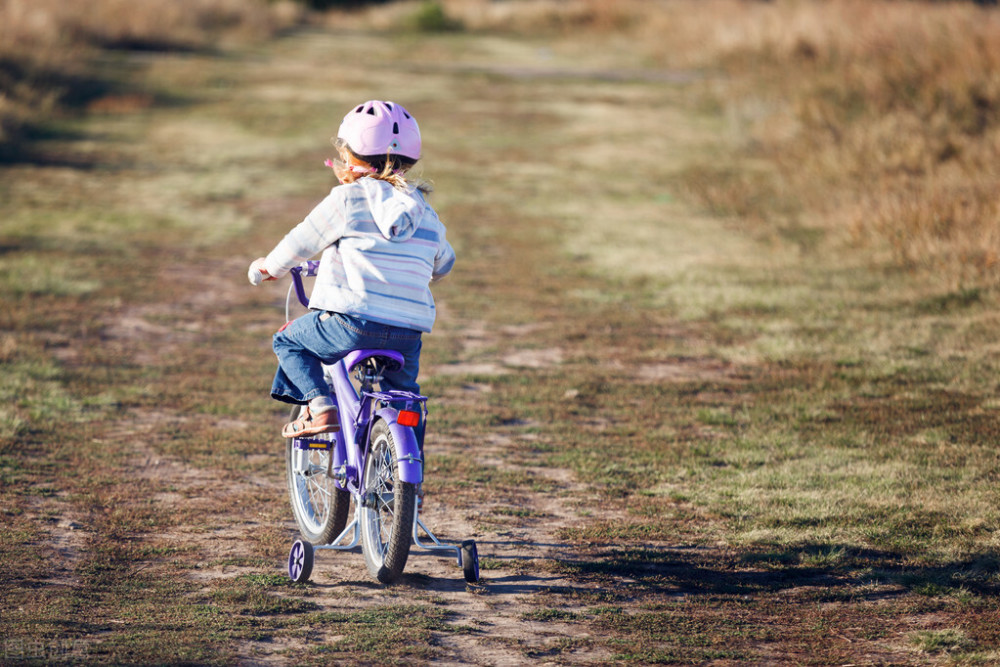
{"x":320,"y":508}
{"x":387,"y":518}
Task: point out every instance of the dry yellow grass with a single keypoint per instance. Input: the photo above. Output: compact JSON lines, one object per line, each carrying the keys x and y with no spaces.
{"x":45,"y":28}
{"x":889,"y":124}
{"x":877,"y":122}
{"x":880,"y":120}
{"x":45,"y":44}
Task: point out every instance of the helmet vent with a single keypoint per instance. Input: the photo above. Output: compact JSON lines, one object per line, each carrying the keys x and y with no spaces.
{"x":379,"y":129}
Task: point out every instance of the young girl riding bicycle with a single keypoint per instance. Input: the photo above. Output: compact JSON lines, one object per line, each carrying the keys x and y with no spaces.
{"x":382,"y":245}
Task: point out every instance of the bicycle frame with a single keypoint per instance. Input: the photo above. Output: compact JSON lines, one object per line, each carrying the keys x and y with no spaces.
{"x":357,"y":415}
{"x":359,"y":409}
{"x":358,"y":412}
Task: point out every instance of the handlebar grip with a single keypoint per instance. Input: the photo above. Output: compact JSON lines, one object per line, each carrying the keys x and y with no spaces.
{"x":255,"y":277}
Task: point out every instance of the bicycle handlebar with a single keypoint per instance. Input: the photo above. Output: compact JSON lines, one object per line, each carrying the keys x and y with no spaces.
{"x":309,"y":268}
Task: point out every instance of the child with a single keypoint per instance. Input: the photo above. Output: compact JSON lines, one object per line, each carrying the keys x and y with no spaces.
{"x":382,"y":246}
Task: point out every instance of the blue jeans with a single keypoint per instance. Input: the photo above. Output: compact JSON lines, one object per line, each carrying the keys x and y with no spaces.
{"x":319,"y":337}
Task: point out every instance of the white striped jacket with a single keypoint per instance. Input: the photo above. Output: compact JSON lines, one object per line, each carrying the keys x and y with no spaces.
{"x":381,"y":248}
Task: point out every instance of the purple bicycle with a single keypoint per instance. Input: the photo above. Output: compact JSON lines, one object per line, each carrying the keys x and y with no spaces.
{"x":373,"y":461}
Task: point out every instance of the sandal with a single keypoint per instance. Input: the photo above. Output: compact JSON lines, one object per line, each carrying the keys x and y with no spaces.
{"x":310,"y":424}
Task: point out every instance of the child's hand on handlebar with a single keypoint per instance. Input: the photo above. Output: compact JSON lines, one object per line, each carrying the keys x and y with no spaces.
{"x":258,"y":273}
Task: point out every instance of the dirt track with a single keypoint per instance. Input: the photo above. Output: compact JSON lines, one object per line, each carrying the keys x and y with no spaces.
{"x":634,"y":405}
{"x":521,"y":552}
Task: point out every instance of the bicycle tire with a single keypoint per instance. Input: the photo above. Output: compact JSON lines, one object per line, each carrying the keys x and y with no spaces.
{"x":300,"y":561}
{"x":388,"y":515}
{"x":470,"y":561}
{"x":320,"y":507}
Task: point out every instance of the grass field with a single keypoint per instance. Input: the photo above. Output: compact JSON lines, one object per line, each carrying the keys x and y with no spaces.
{"x":691,"y":412}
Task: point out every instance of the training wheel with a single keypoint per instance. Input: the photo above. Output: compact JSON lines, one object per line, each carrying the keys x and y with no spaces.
{"x":470,"y":561}
{"x":300,"y":561}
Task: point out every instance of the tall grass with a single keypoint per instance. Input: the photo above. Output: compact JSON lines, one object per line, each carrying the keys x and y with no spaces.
{"x":877,"y":122}
{"x":47,"y":26}
{"x":881,"y":118}
{"x":46,"y":45}
{"x":888,"y":124}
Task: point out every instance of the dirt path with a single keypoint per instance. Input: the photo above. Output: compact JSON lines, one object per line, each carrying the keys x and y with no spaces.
{"x":503,"y":621}
{"x":567,"y":394}
{"x":677,"y":439}
{"x":520,"y":550}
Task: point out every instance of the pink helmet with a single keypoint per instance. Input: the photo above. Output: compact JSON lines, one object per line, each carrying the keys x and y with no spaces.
{"x":375,"y":129}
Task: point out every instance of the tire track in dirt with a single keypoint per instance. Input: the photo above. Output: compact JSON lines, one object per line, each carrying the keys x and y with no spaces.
{"x":495,"y":623}
{"x":213,"y":521}
{"x":520,"y":563}
{"x":208,"y":505}
{"x":521,"y":551}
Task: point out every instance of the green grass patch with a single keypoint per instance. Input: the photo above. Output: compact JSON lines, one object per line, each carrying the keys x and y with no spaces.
{"x":940,"y":641}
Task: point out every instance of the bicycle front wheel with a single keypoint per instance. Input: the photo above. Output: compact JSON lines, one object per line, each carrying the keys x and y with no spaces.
{"x":387,"y":515}
{"x":319,"y":506}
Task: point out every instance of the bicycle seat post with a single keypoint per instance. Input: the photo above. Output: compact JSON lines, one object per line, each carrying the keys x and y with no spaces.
{"x":368,"y":374}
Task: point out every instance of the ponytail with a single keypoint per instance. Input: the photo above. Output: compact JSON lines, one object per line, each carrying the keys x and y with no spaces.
{"x":395,"y":175}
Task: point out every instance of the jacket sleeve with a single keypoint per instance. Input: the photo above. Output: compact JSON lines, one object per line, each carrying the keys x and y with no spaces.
{"x":444,"y":261}
{"x":323,"y":227}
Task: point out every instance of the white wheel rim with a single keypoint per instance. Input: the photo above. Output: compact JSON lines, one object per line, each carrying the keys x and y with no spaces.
{"x":313,"y":489}
{"x":378,"y":521}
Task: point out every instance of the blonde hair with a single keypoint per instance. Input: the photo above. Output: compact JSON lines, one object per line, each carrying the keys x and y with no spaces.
{"x":396,"y":176}
{"x":393,"y":170}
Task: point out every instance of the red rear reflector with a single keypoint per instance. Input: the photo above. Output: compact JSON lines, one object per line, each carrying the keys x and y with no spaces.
{"x":408,"y":418}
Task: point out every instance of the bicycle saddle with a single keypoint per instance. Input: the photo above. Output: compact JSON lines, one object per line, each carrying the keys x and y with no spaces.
{"x":393,"y":360}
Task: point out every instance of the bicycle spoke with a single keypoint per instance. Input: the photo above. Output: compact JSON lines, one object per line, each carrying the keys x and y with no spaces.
{"x":383,"y":508}
{"x":320,"y":488}
{"x":319,"y":505}
{"x":388,"y":515}
{"x":315,"y":487}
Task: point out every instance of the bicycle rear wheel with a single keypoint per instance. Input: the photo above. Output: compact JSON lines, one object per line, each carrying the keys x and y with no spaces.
{"x":387,"y":517}
{"x":319,"y":506}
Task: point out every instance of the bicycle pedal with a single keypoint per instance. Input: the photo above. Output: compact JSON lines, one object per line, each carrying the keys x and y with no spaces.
{"x":312,"y":444}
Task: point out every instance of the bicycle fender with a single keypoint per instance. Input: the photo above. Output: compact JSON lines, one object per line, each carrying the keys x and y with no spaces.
{"x":411,"y":467}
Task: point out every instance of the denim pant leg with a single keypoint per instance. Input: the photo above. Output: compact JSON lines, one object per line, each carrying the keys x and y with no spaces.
{"x":301,"y":350}
{"x":373,"y":335}
{"x":406,"y":380}
{"x":317,"y":338}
